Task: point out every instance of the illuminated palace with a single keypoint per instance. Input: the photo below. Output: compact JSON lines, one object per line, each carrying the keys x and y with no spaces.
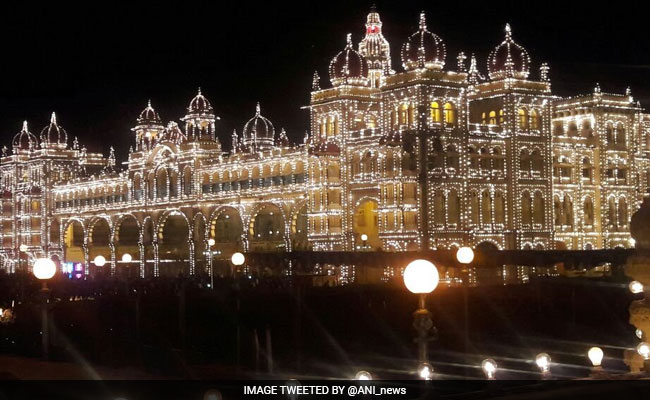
{"x":429,"y":156}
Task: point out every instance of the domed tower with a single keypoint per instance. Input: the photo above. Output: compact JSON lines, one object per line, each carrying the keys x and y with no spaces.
{"x":423,"y":49}
{"x":24,"y":140}
{"x":349,"y":67}
{"x":259,"y":133}
{"x":53,"y":136}
{"x":508,"y":59}
{"x":148,"y":128}
{"x":375,"y":49}
{"x":200,"y":119}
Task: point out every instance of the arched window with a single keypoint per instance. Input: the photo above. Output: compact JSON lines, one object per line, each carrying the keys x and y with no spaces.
{"x":586,"y":129}
{"x":620,"y":134}
{"x":403,"y":114}
{"x":524,"y":160}
{"x":486,"y":207}
{"x":526,"y":209}
{"x":523,"y":118}
{"x":538,"y":209}
{"x":501,"y":117}
{"x":534,"y":119}
{"x":567,"y":206}
{"x":452,"y":158}
{"x":536,"y":162}
{"x":497,"y":159}
{"x":588,"y":211}
{"x":453,"y":207}
{"x":622,"y":212}
{"x":611,"y":212}
{"x":587,"y":170}
{"x":484,"y":118}
{"x":557,"y":211}
{"x":411,"y":121}
{"x":474,"y":207}
{"x":558,"y":128}
{"x":450,"y":114}
{"x":493,"y":118}
{"x":435,"y":112}
{"x":573,"y":128}
{"x":499,"y":208}
{"x":439,"y":208}
{"x":610,"y":133}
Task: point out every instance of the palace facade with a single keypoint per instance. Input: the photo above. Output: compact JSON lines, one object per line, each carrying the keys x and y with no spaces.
{"x":431,"y":156}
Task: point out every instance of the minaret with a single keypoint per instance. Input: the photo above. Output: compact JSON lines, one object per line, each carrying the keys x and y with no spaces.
{"x":375,"y":49}
{"x":148,"y":128}
{"x":200,"y":119}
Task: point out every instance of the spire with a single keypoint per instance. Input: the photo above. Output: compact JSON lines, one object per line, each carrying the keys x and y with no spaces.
{"x":315,"y":83}
{"x":473,"y":76}
{"x":423,"y":21}
{"x":461,"y":61}
{"x":306,"y":138}
{"x":543,"y":72}
{"x":257,"y":109}
{"x":53,"y":119}
{"x":508,"y":32}
{"x":283,"y":140}
{"x":25,"y":126}
{"x":349,"y":41}
{"x":235,"y":141}
{"x":111,"y":157}
{"x":628,"y":91}
{"x":597,"y":88}
{"x":75,"y":144}
{"x":199,"y":93}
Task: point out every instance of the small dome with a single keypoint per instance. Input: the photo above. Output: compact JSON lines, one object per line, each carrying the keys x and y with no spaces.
{"x":423,"y":49}
{"x":199,"y":104}
{"x":173,"y":133}
{"x":508,"y":59}
{"x":349,"y":67}
{"x":25,"y":140}
{"x":149,"y":116}
{"x":53,"y":134}
{"x":258,"y":132}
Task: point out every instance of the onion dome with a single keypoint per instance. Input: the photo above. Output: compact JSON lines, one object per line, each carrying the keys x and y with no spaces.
{"x":508,"y":59}
{"x":423,"y":49}
{"x":25,"y":140}
{"x":258,"y":132}
{"x":53,"y":135}
{"x":173,"y":133}
{"x":374,"y":47}
{"x":349,"y":67}
{"x":149,"y":116}
{"x":200,"y":104}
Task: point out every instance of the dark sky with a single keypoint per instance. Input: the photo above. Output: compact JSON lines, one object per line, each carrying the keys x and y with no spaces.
{"x":97,"y":63}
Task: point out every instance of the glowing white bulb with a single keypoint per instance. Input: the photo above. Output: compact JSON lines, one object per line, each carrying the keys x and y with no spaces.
{"x":639,"y":333}
{"x":425,"y":371}
{"x":421,"y":276}
{"x":44,"y":268}
{"x":126,"y":257}
{"x":363,"y":376}
{"x":595,"y":355}
{"x":489,"y":367}
{"x":23,"y":247}
{"x":364,"y":237}
{"x":465,"y":255}
{"x":211,"y":242}
{"x":636,"y":287}
{"x":543,"y":362}
{"x":100,"y":261}
{"x":238,"y":258}
{"x":643,"y":349}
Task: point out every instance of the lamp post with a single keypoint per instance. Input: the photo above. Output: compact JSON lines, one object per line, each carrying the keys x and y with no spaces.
{"x":237,"y":260}
{"x":465,"y":256}
{"x":211,"y":243}
{"x":421,"y":277}
{"x":364,"y":241}
{"x":127,"y":258}
{"x":44,"y":269}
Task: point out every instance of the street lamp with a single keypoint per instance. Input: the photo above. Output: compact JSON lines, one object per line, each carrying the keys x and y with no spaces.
{"x":100,"y":261}
{"x":489,"y":367}
{"x":126,"y":257}
{"x":543,"y":362}
{"x":643,"y":349}
{"x":465,"y":255}
{"x":238,"y":259}
{"x":364,"y":240}
{"x":44,"y":269}
{"x":421,"y":277}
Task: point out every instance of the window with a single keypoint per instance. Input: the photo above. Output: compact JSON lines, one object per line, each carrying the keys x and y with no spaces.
{"x":523,"y":118}
{"x":450,"y":114}
{"x":534,"y":120}
{"x":435,"y":112}
{"x":493,"y":118}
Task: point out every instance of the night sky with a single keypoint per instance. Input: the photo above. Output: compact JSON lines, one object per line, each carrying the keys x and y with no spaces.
{"x":97,"y":63}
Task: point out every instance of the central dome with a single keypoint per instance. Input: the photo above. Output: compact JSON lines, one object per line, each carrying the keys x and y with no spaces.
{"x":149,"y":116}
{"x":258,"y":132}
{"x":200,"y":104}
{"x":349,"y":67}
{"x":423,"y":49}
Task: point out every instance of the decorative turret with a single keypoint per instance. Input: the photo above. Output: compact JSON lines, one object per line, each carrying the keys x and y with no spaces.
{"x":24,"y":140}
{"x":508,"y":59}
{"x":349,"y":67}
{"x":375,"y":49}
{"x":315,"y":82}
{"x":235,"y":142}
{"x":258,"y":133}
{"x":283,"y":139}
{"x":54,"y":136}
{"x":200,"y":119}
{"x":148,"y":128}
{"x":423,"y":49}
{"x":474,"y":77}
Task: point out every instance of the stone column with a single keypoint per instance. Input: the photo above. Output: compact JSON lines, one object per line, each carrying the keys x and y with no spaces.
{"x":191,"y":245}
{"x":143,"y":259}
{"x":111,"y":246}
{"x":156,"y":260}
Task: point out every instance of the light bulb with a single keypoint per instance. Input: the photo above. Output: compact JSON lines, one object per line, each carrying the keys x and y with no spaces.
{"x":639,"y":333}
{"x":421,"y":276}
{"x":489,"y":367}
{"x":636,"y":287}
{"x":126,"y":257}
{"x":238,"y":259}
{"x":425,"y":371}
{"x":100,"y":261}
{"x":44,"y":268}
{"x":543,"y":361}
{"x":643,"y":349}
{"x":363,"y":376}
{"x":465,"y":255}
{"x":595,"y":355}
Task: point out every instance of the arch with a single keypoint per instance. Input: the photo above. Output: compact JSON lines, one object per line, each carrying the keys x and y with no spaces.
{"x":99,"y":242}
{"x":523,"y":118}
{"x":227,"y":228}
{"x":127,"y":239}
{"x":539,"y":208}
{"x":74,"y":241}
{"x":366,"y":221}
{"x":453,"y":207}
{"x":623,"y":219}
{"x":526,"y":209}
{"x":588,"y":211}
{"x":188,"y":182}
{"x":435,"y":112}
{"x":486,"y":207}
{"x":199,"y":236}
{"x":449,"y":110}
{"x":299,"y":226}
{"x":55,"y":233}
{"x":266,"y":228}
{"x":499,"y":208}
{"x":162,"y":183}
{"x":173,"y":233}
